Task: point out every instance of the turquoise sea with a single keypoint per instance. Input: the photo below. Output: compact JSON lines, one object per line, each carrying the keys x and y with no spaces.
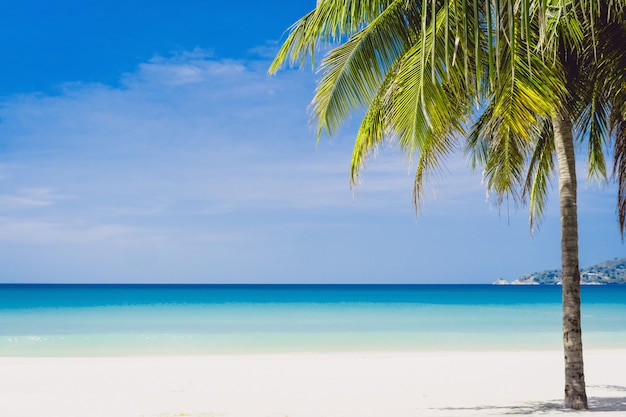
{"x":96,"y":320}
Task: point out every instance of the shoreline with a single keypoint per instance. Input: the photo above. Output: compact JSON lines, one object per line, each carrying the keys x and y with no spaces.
{"x":313,"y":353}
{"x":362,"y":383}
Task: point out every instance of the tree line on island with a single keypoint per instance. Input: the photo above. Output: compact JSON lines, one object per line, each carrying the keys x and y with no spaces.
{"x":518,"y":84}
{"x":604,"y":273}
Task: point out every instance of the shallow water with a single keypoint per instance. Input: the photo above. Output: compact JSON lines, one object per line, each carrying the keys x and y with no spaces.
{"x":92,"y":320}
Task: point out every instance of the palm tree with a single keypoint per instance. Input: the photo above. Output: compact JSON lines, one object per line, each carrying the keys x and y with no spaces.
{"x":423,"y":70}
{"x":592,"y":73}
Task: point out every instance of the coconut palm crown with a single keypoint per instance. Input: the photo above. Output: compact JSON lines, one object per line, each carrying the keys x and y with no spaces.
{"x":522,"y":81}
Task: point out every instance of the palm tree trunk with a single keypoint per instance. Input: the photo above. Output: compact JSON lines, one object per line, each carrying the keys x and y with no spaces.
{"x":575,"y":395}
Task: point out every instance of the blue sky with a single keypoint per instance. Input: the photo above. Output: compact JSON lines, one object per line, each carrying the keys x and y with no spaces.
{"x":143,"y":141}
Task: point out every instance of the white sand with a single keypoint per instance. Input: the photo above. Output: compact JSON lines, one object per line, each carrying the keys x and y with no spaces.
{"x":307,"y":385}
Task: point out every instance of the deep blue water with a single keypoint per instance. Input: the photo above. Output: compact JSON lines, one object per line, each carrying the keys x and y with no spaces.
{"x":205,"y":319}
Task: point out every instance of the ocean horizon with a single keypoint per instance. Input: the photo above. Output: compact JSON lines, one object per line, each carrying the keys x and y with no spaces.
{"x":199,"y":319}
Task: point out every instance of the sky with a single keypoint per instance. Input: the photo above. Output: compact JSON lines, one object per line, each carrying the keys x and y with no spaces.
{"x":144,"y":142}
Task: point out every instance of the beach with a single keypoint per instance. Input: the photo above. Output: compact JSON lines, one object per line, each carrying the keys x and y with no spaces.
{"x":365,"y":384}
{"x":302,"y":351}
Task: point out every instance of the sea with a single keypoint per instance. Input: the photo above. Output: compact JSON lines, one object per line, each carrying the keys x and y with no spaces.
{"x":147,"y":320}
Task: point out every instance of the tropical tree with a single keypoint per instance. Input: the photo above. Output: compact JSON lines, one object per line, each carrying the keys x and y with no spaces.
{"x":589,"y":59}
{"x":519,"y":79}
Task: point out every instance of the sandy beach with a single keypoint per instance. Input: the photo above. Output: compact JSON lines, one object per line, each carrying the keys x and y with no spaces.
{"x":367,"y":384}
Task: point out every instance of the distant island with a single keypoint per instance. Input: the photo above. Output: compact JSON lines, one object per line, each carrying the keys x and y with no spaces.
{"x":607,"y":272}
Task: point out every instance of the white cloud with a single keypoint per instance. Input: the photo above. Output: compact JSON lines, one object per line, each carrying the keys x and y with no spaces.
{"x":30,"y":198}
{"x":210,"y":164}
{"x":50,"y":233}
{"x":194,"y":70}
{"x":182,"y":136}
{"x":219,"y":132}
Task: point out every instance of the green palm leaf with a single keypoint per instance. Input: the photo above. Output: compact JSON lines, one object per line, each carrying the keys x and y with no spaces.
{"x":353,"y":72}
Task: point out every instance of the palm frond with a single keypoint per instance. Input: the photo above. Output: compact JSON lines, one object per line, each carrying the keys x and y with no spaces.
{"x":619,"y":164}
{"x":353,"y":71}
{"x":506,"y":135}
{"x":421,"y":69}
{"x":330,"y":22}
{"x":540,"y":170}
{"x":479,"y":139}
{"x":430,"y":161}
{"x":594,"y":125}
{"x":426,"y":114}
{"x":419,"y":103}
{"x":374,"y":126}
{"x":526,"y":90}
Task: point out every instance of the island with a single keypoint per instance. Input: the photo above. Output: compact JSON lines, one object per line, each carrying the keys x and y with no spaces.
{"x":608,"y":272}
